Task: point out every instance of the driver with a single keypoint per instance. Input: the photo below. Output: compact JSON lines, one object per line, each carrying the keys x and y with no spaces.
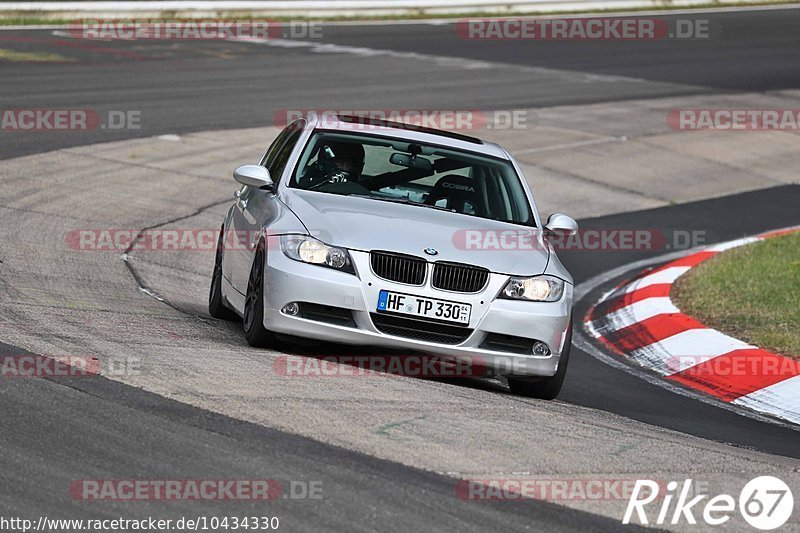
{"x":337,"y":162}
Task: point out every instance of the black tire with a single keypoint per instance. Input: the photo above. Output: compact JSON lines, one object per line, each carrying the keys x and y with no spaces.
{"x":545,"y":388}
{"x":253,"y":320}
{"x":216,"y":305}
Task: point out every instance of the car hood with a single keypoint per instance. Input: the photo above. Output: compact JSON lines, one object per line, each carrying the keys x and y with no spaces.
{"x":365,"y":224}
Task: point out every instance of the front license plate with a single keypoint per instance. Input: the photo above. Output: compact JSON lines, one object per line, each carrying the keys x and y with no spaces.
{"x":420,"y":306}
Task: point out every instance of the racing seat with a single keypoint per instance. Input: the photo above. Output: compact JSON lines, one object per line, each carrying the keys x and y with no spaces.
{"x":459,"y":192}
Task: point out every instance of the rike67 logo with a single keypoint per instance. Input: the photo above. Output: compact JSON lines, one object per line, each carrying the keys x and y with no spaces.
{"x":765,"y":503}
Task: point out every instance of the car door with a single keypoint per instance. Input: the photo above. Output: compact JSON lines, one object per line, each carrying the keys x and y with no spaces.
{"x":256,"y":208}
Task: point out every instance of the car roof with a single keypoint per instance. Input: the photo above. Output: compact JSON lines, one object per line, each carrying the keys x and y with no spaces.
{"x":411,"y":132}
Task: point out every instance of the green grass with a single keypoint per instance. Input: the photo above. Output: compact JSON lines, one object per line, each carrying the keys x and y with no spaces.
{"x":751,"y":293}
{"x":420,"y":15}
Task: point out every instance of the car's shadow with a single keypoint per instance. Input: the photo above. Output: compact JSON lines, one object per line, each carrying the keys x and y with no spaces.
{"x":371,"y":362}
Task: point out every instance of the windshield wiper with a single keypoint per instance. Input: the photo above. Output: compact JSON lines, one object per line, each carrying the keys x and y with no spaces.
{"x":406,"y":201}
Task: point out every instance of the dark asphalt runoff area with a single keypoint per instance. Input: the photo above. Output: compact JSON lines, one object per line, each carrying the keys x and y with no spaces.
{"x":55,"y":431}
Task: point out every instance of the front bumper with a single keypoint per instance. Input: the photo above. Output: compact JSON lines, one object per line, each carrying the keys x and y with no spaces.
{"x":287,"y":280}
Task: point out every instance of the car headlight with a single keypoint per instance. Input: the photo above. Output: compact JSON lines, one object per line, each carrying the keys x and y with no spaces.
{"x":536,"y":289}
{"x":310,"y":250}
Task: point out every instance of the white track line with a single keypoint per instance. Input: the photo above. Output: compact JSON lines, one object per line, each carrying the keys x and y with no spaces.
{"x":733,"y":244}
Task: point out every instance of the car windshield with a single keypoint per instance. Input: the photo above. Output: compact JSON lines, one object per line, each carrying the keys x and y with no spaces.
{"x":399,"y":170}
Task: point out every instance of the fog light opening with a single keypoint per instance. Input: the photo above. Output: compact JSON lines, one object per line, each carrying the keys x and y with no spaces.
{"x":292,"y":309}
{"x":540,"y":348}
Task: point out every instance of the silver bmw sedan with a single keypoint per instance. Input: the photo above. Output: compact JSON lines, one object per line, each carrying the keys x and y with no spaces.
{"x":376,"y":233}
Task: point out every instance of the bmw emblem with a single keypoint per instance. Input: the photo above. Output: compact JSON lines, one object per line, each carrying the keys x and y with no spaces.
{"x":431,"y":251}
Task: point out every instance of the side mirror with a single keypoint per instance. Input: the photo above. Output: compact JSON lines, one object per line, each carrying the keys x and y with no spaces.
{"x":560,"y":223}
{"x":253,"y":176}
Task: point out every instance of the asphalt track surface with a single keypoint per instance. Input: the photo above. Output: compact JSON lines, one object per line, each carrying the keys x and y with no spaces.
{"x":103,"y":429}
{"x":57,"y":431}
{"x":181,"y":87}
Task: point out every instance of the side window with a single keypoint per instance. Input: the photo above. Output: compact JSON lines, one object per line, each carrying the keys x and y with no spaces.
{"x":278,"y":163}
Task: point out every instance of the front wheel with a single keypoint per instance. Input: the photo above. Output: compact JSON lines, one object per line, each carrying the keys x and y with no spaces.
{"x":549,"y":387}
{"x":254,"y":330}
